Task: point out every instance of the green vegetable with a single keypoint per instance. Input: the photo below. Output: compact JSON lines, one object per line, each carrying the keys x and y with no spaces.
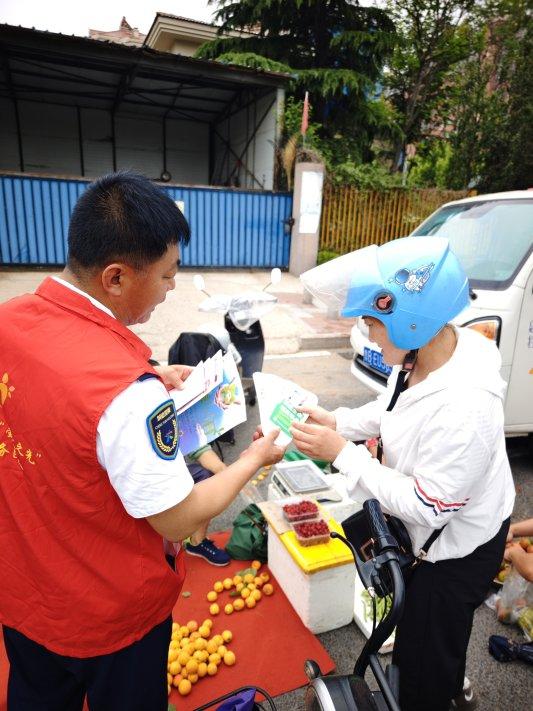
{"x":525,"y":622}
{"x":383,"y":605}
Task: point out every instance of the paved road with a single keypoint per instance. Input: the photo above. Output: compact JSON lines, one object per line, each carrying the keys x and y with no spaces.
{"x":327,"y":374}
{"x":499,"y":686}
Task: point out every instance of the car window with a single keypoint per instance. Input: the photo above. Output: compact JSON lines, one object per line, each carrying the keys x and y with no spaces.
{"x":491,"y":238}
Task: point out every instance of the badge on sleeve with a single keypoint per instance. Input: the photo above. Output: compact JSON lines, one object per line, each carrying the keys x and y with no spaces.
{"x":162,"y":426}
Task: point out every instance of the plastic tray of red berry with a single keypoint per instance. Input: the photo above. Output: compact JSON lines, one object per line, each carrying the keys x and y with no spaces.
{"x":312,"y":532}
{"x":300,"y":511}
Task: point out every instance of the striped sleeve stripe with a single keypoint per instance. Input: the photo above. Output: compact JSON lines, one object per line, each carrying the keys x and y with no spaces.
{"x":437,"y":505}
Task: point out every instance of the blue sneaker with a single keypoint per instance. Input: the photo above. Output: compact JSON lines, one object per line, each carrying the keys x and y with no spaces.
{"x":209,"y":552}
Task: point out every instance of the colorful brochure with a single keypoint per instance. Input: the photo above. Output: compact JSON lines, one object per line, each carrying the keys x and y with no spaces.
{"x":219,"y":406}
{"x":205,"y":376}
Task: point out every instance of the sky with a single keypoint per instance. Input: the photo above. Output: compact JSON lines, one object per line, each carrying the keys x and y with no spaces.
{"x":77,"y":16}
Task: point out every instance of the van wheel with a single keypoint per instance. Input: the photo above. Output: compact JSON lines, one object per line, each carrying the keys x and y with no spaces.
{"x":530,"y":443}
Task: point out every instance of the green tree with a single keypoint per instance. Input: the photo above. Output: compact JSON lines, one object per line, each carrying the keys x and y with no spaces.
{"x":334,"y":49}
{"x":433,"y":38}
{"x":491,"y":109}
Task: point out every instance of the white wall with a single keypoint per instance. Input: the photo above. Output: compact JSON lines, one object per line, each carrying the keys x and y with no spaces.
{"x":259,"y":155}
{"x":188,"y":152}
{"x":51,"y":143}
{"x":96,"y":133}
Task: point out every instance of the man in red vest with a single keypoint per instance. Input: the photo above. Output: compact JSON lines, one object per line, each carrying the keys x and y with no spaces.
{"x":91,"y":477}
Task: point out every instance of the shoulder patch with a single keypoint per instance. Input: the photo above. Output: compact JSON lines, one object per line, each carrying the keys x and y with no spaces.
{"x":162,"y":426}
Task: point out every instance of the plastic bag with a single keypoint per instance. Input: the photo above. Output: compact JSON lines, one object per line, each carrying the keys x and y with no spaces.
{"x":241,"y":701}
{"x":244,"y":310}
{"x":515,"y":597}
{"x":249,"y":538}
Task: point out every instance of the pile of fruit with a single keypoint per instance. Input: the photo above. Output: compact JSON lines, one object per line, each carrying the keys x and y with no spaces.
{"x":505,"y":567}
{"x":307,"y":523}
{"x":300,"y":511}
{"x":194,"y":653}
{"x":310,"y":533}
{"x":247,"y":587}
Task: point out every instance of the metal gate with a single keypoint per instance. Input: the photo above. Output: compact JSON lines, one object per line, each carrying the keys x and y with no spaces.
{"x":229,"y":228}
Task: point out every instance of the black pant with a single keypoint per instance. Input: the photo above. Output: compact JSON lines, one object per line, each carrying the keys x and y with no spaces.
{"x":432,"y":637}
{"x":134,"y":678}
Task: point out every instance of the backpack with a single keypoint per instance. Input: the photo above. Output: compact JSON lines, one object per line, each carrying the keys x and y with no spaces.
{"x":190,"y":348}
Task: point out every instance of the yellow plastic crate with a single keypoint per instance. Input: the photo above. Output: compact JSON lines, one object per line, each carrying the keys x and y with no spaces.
{"x":311,"y":559}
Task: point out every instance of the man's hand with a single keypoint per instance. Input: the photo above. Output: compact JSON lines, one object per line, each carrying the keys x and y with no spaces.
{"x":264,"y":449}
{"x":258,"y":433}
{"x":319,"y":416}
{"x":317,"y":441}
{"x":173,"y":376}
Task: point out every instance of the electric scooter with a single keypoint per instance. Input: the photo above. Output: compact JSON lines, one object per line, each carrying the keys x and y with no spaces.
{"x":381,"y":575}
{"x":242,"y":326}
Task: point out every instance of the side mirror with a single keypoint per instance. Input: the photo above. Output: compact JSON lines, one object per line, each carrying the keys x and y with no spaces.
{"x":275,"y":275}
{"x":198,"y":282}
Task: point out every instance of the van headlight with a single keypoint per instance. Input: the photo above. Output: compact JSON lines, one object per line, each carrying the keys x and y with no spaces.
{"x":488,"y":326}
{"x":361,"y":325}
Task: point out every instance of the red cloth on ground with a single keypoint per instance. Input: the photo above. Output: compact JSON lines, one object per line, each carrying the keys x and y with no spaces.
{"x":270,"y":641}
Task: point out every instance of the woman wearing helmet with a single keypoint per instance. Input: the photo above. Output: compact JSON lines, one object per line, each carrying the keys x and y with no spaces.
{"x":444,"y":463}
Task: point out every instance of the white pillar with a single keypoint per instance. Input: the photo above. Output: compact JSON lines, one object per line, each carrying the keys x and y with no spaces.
{"x":306,"y":211}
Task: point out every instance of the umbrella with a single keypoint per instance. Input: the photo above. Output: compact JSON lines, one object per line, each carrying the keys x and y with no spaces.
{"x":505,"y":650}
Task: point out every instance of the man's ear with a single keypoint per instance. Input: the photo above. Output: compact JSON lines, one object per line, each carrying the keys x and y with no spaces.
{"x":113,"y":278}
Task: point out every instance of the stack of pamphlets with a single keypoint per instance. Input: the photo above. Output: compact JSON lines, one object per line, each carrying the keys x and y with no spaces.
{"x":210,"y":403}
{"x":278,"y":401}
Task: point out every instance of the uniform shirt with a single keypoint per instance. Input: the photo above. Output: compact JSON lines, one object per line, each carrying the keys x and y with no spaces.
{"x":145,"y":483}
{"x":444,"y":456}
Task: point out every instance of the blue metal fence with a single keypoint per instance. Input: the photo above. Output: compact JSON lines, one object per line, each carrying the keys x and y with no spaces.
{"x":229,"y":228}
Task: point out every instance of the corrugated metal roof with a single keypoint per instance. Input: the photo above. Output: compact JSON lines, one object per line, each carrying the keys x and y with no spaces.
{"x":50,"y":67}
{"x":278,"y":78}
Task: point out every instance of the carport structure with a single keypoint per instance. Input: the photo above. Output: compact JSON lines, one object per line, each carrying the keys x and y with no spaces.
{"x":78,"y":107}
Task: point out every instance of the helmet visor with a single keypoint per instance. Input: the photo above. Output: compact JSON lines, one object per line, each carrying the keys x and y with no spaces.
{"x":330,"y":281}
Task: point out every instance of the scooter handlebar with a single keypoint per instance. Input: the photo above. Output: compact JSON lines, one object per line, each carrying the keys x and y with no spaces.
{"x":376,"y":521}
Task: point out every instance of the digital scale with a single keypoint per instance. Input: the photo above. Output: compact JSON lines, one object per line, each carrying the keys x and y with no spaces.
{"x":301,"y":478}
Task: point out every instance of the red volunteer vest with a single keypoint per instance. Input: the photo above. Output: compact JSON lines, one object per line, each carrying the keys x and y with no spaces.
{"x":78,"y":574}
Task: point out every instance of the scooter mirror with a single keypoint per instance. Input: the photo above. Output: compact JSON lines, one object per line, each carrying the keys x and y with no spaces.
{"x":275,"y":276}
{"x":198,"y":282}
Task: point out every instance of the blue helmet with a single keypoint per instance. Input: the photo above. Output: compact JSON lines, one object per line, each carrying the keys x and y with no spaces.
{"x":413,"y":285}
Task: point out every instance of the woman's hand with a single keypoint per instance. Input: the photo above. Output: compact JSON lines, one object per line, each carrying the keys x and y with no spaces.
{"x":372,"y":446}
{"x":264,"y":449}
{"x":173,"y":376}
{"x":512,"y":550}
{"x":317,"y":441}
{"x":319,"y":416}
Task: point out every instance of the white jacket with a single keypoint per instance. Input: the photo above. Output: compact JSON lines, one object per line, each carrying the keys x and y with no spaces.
{"x":444,"y":452}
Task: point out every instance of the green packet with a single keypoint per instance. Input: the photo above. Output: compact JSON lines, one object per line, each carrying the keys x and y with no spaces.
{"x":284,"y":414}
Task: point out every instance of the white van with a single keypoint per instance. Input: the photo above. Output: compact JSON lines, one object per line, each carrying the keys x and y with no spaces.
{"x":492,"y":235}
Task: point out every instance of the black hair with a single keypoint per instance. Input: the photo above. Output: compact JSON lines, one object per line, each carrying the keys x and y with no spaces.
{"x":123,"y":216}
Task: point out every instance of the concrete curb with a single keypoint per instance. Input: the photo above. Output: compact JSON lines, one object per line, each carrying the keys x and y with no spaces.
{"x":324,"y":341}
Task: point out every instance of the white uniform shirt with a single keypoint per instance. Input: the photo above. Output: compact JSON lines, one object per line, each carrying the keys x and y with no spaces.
{"x":444,"y":459}
{"x":145,"y":483}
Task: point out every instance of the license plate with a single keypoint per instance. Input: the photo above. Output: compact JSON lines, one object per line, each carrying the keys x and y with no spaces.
{"x":374,"y":360}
